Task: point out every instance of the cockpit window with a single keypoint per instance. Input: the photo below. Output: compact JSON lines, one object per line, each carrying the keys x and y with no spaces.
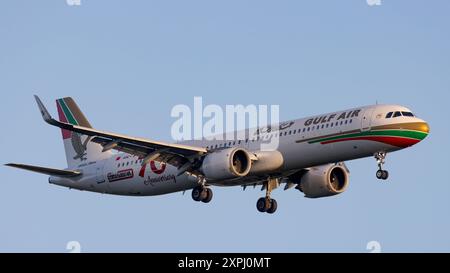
{"x":397,"y":114}
{"x":407,"y":114}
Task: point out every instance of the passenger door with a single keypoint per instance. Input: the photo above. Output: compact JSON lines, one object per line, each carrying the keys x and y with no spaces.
{"x":366,"y":120}
{"x":100,"y":175}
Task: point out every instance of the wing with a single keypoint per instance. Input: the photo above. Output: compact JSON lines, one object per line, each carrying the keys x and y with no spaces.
{"x":181,"y":156}
{"x":47,"y":171}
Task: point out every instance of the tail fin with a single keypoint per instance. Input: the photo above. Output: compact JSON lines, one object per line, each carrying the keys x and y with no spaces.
{"x":78,"y":147}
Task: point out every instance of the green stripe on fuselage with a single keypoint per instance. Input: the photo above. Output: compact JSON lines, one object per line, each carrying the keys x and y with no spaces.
{"x":389,"y":133}
{"x":67,"y":112}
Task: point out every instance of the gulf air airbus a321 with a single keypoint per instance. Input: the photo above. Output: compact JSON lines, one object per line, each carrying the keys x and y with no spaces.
{"x":309,"y":157}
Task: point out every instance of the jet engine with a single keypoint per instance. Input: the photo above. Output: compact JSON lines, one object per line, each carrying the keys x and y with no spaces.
{"x":227,"y":164}
{"x":323,"y":181}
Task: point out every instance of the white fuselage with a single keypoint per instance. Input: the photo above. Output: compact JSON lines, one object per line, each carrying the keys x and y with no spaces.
{"x":303,"y":143}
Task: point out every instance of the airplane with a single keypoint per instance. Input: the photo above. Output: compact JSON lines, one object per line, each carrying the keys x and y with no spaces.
{"x":310,"y":156}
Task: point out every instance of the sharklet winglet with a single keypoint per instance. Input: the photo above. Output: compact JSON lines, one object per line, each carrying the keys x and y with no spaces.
{"x":44,"y":112}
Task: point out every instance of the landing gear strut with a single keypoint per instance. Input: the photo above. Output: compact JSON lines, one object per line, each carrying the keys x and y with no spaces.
{"x":202,"y":193}
{"x":267,"y":204}
{"x":381,"y":174}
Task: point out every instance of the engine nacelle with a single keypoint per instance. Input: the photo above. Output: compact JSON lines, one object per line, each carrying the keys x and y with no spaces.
{"x":266,"y":162}
{"x":226,"y":164}
{"x":323,"y":181}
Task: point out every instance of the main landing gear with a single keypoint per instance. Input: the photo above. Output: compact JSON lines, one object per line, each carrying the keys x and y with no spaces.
{"x":202,"y":193}
{"x":267,"y":204}
{"x":381,"y":174}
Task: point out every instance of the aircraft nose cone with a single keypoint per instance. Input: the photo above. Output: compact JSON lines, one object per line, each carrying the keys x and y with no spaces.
{"x":425,"y":128}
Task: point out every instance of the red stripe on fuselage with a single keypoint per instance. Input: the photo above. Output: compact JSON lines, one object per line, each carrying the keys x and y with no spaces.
{"x":401,"y":142}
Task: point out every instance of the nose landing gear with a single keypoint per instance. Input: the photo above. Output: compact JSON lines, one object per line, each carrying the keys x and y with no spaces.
{"x":381,"y":174}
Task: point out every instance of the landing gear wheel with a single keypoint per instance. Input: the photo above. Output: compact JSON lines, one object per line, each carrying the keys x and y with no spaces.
{"x":267,"y":204}
{"x":273,"y":206}
{"x":385,"y":175}
{"x":202,"y":194}
{"x":380,"y":174}
{"x":197,"y":194}
{"x":209,"y":195}
{"x":261,"y":204}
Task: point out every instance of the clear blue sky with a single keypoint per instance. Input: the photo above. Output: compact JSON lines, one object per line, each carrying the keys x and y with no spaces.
{"x":127,"y":63}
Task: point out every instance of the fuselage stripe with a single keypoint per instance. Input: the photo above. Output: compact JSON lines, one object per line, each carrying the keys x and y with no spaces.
{"x":382,"y":133}
{"x":418,"y":127}
{"x":401,"y":142}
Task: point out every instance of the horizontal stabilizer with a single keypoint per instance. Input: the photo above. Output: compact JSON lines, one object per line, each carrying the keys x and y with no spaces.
{"x":47,"y":171}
